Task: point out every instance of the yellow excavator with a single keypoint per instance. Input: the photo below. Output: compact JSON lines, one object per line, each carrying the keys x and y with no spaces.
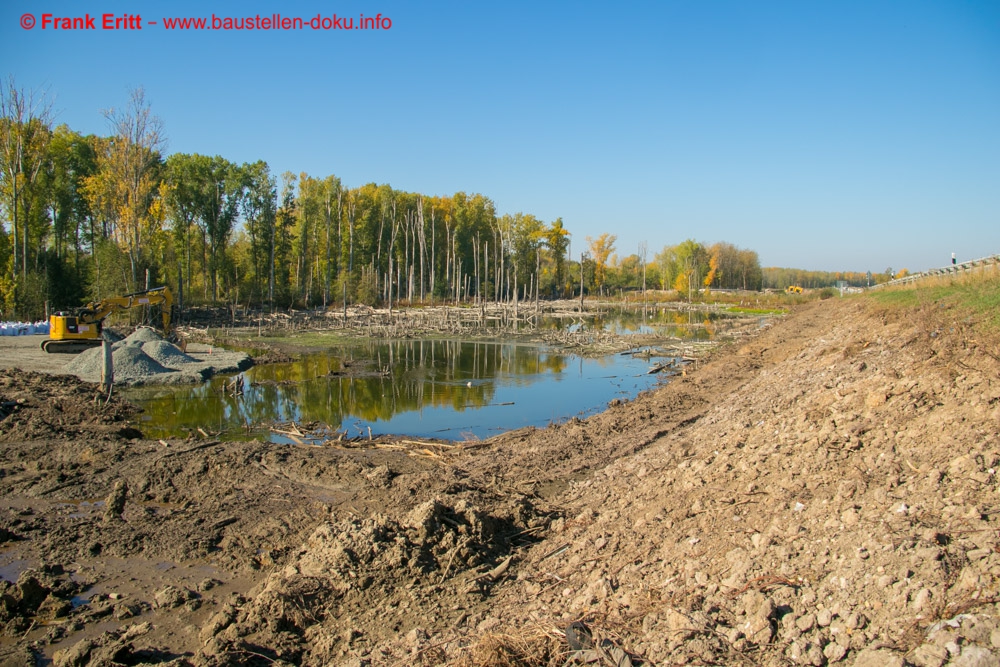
{"x":82,"y":331}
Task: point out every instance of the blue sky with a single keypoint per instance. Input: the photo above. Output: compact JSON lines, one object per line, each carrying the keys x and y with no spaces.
{"x":824,"y":135}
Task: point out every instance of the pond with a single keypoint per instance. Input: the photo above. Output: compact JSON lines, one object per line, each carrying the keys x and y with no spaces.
{"x":445,"y":389}
{"x":663,"y":322}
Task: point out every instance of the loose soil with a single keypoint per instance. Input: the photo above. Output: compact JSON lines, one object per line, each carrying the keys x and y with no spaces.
{"x":824,"y":492}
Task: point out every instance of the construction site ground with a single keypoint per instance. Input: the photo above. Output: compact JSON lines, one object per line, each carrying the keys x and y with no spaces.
{"x":823,"y":492}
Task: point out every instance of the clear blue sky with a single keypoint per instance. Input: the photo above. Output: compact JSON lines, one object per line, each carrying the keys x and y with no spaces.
{"x":834,"y":135}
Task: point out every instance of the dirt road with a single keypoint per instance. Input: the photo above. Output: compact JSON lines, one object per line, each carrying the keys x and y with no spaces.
{"x":25,"y":353}
{"x":823,"y":493}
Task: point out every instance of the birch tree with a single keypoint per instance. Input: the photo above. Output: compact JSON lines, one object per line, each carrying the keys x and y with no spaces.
{"x":25,"y":122}
{"x":128,"y":175}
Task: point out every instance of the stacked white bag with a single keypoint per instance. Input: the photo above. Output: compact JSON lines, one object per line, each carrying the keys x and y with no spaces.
{"x":24,"y":328}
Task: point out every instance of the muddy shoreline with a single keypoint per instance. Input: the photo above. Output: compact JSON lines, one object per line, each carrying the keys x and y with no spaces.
{"x":749,"y":512}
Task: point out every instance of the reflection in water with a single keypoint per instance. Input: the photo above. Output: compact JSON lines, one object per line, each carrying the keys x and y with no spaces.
{"x":664,"y":322}
{"x":439,"y":388}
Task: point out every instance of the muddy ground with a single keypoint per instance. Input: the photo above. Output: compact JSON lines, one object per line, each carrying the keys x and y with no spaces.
{"x":824,"y":492}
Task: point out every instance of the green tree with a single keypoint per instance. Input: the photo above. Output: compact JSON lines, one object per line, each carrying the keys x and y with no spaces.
{"x":281,"y":243}
{"x":71,"y":160}
{"x":260,"y":194}
{"x":25,"y":131}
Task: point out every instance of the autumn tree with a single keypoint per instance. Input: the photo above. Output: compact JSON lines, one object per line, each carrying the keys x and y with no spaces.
{"x":557,"y":242}
{"x":601,"y":249}
{"x":127,"y":178}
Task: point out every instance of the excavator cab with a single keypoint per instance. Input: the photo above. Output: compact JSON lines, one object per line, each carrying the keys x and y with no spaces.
{"x":68,"y":334}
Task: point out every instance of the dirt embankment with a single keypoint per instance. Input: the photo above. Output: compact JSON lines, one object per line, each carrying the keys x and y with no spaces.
{"x":824,"y":493}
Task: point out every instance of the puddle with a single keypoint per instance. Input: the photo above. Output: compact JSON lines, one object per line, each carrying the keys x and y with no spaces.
{"x":81,"y":509}
{"x":11,"y":570}
{"x":78,"y":601}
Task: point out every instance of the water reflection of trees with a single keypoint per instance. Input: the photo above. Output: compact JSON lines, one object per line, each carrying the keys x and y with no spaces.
{"x":345,"y":384}
{"x":666,"y":322}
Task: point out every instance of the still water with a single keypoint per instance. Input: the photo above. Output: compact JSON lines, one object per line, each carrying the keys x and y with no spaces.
{"x":445,"y":389}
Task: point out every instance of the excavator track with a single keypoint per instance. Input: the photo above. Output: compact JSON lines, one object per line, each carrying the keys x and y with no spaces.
{"x":68,"y":346}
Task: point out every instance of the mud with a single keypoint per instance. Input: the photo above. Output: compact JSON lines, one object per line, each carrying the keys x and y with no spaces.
{"x":822,"y":493}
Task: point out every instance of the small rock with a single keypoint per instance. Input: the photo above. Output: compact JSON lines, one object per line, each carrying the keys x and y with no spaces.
{"x":207,"y":584}
{"x":124,"y":610}
{"x":856,"y":621}
{"x":759,"y":630}
{"x":115,"y":502}
{"x":171,"y":596}
{"x":807,"y":653}
{"x":824,"y":618}
{"x":975,"y":656}
{"x":834,"y":652}
{"x":416,"y":635}
{"x":875,"y":399}
{"x":765,"y":610}
{"x":930,"y":655}
{"x":878,"y":658}
{"x":806,"y":623}
{"x":681,"y":626}
{"x":921,"y":599}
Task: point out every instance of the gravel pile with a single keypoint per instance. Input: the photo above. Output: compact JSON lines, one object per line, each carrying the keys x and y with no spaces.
{"x":166,"y":353}
{"x":145,"y":357}
{"x":143,"y":335}
{"x":131,"y":364}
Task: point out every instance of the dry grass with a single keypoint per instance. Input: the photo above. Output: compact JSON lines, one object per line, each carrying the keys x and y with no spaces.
{"x":533,"y":646}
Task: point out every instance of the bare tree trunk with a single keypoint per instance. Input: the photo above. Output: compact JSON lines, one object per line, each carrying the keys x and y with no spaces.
{"x":326,"y":278}
{"x":475,"y":263}
{"x":433,"y":247}
{"x":423,"y":243}
{"x":538,"y":276}
{"x":270,"y":288}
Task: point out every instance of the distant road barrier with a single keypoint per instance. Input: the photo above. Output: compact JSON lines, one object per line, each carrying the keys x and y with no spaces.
{"x":962,"y":267}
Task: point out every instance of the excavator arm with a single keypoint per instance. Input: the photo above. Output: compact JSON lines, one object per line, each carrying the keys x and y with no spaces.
{"x":75,"y":333}
{"x":96,"y":311}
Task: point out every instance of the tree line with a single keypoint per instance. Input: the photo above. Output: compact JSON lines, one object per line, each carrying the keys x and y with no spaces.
{"x":95,"y":216}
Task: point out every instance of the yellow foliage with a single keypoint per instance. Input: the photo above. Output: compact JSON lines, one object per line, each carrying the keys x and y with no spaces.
{"x":681,"y":284}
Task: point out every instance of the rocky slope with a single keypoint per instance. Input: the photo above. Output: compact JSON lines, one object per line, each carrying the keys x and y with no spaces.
{"x":838,"y":507}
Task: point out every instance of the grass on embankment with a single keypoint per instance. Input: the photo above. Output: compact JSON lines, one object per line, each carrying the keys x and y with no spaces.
{"x":974,"y":296}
